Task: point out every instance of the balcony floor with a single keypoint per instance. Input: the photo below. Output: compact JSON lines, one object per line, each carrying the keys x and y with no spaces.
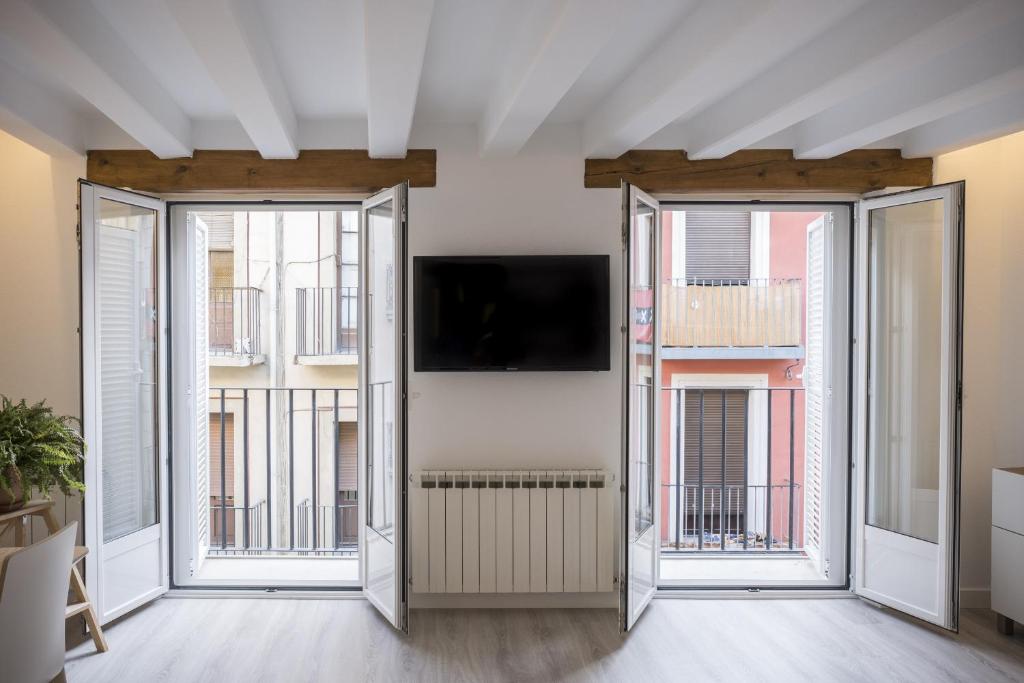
{"x":287,"y":639}
{"x":751,"y":570}
{"x":305,"y":572}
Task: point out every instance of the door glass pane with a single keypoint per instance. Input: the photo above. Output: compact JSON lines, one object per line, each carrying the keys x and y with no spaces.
{"x":127,"y":325}
{"x":641,"y":369}
{"x":381,"y":322}
{"x":905,"y":365}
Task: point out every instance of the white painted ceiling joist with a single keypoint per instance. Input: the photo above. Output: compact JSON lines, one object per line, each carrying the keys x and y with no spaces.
{"x":396,"y":40}
{"x":864,"y":51}
{"x":717,"y":48}
{"x":553,"y":48}
{"x":230,"y":39}
{"x":1001,"y":116}
{"x":100,"y":70}
{"x":976,"y":72}
{"x":37,"y":117}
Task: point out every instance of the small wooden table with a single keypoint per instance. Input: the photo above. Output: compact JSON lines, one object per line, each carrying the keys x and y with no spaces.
{"x":82,"y":604}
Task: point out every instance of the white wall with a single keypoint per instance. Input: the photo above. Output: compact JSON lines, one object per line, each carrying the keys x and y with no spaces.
{"x":533,"y":203}
{"x":39,"y":280}
{"x":994,"y":329}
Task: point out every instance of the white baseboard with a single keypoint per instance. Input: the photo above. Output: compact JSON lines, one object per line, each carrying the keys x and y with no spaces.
{"x":971,"y":598}
{"x":514,"y":600}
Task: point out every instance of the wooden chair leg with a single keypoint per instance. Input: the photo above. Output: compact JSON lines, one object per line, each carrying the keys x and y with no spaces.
{"x":78,"y":588}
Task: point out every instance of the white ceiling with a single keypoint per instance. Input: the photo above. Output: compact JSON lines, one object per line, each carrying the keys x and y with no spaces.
{"x":708,"y":76}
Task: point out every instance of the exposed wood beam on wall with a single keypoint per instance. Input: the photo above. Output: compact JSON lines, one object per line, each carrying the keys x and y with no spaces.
{"x":552,"y":50}
{"x":232,"y":42}
{"x":314,"y":170}
{"x":718,"y":47}
{"x":759,"y":170}
{"x":80,"y":49}
{"x":395,"y":43}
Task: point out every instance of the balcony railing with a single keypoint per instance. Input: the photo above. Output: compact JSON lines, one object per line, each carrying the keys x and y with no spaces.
{"x":732,"y":313}
{"x":325,"y":321}
{"x":333,"y":522}
{"x":752,"y":507}
{"x":247,"y":520}
{"x":288,"y":490}
{"x":234,"y":321}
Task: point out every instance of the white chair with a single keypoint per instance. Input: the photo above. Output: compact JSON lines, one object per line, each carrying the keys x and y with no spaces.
{"x":33,"y":597}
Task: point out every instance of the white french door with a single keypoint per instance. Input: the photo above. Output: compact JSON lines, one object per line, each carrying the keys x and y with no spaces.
{"x":382,"y":403}
{"x":908,"y":429}
{"x":640,"y":538}
{"x":124,"y":411}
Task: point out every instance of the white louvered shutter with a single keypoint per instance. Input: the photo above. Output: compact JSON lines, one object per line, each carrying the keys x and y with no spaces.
{"x":201,"y":390}
{"x":814,"y":383}
{"x":118,"y":309}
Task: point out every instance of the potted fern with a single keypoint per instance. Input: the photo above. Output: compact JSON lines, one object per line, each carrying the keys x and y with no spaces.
{"x":38,"y":451}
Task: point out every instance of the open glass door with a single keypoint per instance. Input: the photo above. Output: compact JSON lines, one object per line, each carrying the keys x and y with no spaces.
{"x":382,"y":461}
{"x":909,"y":350}
{"x":641,"y":378}
{"x":124,"y":418}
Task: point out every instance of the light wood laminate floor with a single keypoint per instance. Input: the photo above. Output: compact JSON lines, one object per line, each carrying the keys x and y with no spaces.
{"x":252,"y":639}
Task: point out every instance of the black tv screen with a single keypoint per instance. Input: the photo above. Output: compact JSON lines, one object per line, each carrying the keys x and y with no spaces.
{"x":504,"y":313}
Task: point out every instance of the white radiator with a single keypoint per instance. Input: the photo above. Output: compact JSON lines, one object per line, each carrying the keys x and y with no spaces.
{"x":512,"y":531}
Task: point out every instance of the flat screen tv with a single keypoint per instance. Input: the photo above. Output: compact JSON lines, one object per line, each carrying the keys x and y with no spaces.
{"x":510,"y":313}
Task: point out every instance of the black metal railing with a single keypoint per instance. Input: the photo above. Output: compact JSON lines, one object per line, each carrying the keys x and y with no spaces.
{"x":729,"y":488}
{"x":287,"y":489}
{"x":325,"y":321}
{"x":331,"y":522}
{"x":234,"y":319}
{"x":250,"y":520}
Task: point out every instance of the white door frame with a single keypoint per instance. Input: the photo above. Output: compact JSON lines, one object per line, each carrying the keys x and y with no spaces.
{"x":154,"y":536}
{"x":944,"y":555}
{"x":384,"y":565}
{"x":839,"y":371}
{"x":638,"y":557}
{"x":185,"y":568}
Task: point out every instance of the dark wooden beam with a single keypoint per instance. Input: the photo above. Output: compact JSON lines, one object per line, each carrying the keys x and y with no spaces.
{"x":315,"y":170}
{"x":759,"y":170}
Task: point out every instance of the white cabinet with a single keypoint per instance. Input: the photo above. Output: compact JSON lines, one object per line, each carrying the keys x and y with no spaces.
{"x":1008,"y":546}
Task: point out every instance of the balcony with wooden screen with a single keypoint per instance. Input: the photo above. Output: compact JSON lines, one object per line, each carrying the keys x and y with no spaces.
{"x":754,"y":318}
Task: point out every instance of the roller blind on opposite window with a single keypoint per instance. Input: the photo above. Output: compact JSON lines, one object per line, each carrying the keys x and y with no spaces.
{"x":718,"y":245}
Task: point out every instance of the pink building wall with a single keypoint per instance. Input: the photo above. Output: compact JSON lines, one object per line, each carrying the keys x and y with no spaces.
{"x":787,"y":259}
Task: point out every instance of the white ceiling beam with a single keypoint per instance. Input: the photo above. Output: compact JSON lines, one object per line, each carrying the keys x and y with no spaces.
{"x":231,"y":40}
{"x":968,"y":75}
{"x":36,"y":116}
{"x":1001,"y":116}
{"x":74,"y":45}
{"x":717,"y":47}
{"x":883,"y":38}
{"x":556,"y":43}
{"x":395,"y":42}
